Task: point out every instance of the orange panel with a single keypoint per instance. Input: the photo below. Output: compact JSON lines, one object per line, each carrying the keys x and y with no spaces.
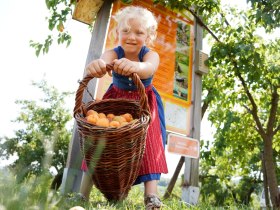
{"x":183,"y":146}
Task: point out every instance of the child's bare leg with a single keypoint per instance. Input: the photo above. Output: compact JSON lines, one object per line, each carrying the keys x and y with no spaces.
{"x":150,"y":188}
{"x":151,"y":198}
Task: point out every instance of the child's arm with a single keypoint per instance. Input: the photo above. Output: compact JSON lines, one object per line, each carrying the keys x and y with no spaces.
{"x":144,"y":69}
{"x":97,"y":68}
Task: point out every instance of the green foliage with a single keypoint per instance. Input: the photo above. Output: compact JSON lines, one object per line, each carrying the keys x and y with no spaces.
{"x":60,"y":13}
{"x":267,"y":13}
{"x":34,"y":193}
{"x":41,"y":47}
{"x":43,"y":142}
{"x":244,"y":89}
{"x":200,"y":7}
{"x":248,"y":57}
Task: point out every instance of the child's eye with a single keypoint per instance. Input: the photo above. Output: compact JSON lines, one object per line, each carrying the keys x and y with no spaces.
{"x":140,"y":32}
{"x":125,"y":30}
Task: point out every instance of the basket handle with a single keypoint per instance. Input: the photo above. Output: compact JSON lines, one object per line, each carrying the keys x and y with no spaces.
{"x":80,"y":106}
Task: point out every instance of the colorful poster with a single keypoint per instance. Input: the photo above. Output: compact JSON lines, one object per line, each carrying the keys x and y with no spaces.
{"x":182,"y":71}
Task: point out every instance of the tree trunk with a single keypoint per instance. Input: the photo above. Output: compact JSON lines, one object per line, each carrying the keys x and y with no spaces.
{"x":265,"y":187}
{"x":270,"y":171}
{"x":247,"y":198}
{"x":57,"y":181}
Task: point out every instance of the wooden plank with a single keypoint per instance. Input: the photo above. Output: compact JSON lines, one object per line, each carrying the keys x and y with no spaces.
{"x":85,"y":10}
{"x":191,"y":172}
{"x":74,"y":159}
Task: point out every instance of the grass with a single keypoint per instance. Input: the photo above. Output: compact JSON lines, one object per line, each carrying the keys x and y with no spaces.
{"x":35,"y":194}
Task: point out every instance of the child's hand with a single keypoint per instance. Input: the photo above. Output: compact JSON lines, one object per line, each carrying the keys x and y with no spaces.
{"x":96,"y":68}
{"x":125,"y":67}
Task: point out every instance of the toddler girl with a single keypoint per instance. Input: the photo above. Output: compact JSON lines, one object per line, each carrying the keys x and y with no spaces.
{"x":137,"y":27}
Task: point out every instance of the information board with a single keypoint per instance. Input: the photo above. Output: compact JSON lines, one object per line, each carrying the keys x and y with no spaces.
{"x":183,"y":146}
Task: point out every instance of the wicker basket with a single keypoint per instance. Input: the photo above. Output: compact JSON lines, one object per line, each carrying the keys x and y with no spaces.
{"x":113,"y":155}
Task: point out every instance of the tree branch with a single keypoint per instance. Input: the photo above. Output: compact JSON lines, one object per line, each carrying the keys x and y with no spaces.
{"x":206,"y":104}
{"x":226,"y":21}
{"x":200,"y":22}
{"x":254,"y":110}
{"x":273,"y":111}
{"x":250,"y":112}
{"x":248,"y":109}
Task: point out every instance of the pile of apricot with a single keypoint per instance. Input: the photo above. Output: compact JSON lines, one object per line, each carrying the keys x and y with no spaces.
{"x":109,"y":120}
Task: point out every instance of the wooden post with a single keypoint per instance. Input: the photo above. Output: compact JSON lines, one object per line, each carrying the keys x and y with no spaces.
{"x":72,"y":175}
{"x":180,"y":164}
{"x":190,"y":190}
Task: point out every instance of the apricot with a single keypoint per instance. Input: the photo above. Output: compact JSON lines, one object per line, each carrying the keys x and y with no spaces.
{"x":114,"y":124}
{"x":103,"y":122}
{"x":91,"y":112}
{"x":101,"y":115}
{"x":124,"y":123}
{"x":128,"y":117}
{"x":110,"y":116}
{"x":120,"y":119}
{"x":61,"y":27}
{"x":92,"y":119}
{"x":77,"y":208}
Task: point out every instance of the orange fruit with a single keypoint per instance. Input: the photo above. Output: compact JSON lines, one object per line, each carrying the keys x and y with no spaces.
{"x":91,"y":112}
{"x":60,"y":27}
{"x":114,"y":124}
{"x":103,"y":122}
{"x":92,"y":119}
{"x":110,"y":116}
{"x":120,"y":119}
{"x":101,"y":115}
{"x":128,"y":117}
{"x":124,"y":123}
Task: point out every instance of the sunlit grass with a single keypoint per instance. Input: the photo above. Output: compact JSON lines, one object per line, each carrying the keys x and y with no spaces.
{"x":35,"y":194}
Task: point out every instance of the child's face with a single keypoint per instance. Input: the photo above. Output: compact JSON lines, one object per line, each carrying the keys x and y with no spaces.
{"x":132,"y":37}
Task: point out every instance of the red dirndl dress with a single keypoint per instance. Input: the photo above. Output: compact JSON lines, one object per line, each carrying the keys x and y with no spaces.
{"x":154,"y":161}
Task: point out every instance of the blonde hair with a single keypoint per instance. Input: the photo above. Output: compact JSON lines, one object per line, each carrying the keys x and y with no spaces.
{"x":146,"y":17}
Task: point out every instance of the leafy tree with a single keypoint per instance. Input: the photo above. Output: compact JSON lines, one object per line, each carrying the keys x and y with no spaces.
{"x":245,"y":70}
{"x":43,"y":142}
{"x":61,"y":12}
{"x":267,"y":13}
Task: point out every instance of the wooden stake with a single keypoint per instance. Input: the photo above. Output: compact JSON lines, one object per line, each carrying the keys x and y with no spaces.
{"x":72,"y":175}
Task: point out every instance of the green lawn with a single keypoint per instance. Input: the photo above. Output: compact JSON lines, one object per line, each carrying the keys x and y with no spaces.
{"x":34,"y":194}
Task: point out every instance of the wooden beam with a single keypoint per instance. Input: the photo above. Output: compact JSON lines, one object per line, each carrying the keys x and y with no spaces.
{"x":180,"y":164}
{"x":72,"y":175}
{"x":174,"y":178}
{"x":191,"y":173}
